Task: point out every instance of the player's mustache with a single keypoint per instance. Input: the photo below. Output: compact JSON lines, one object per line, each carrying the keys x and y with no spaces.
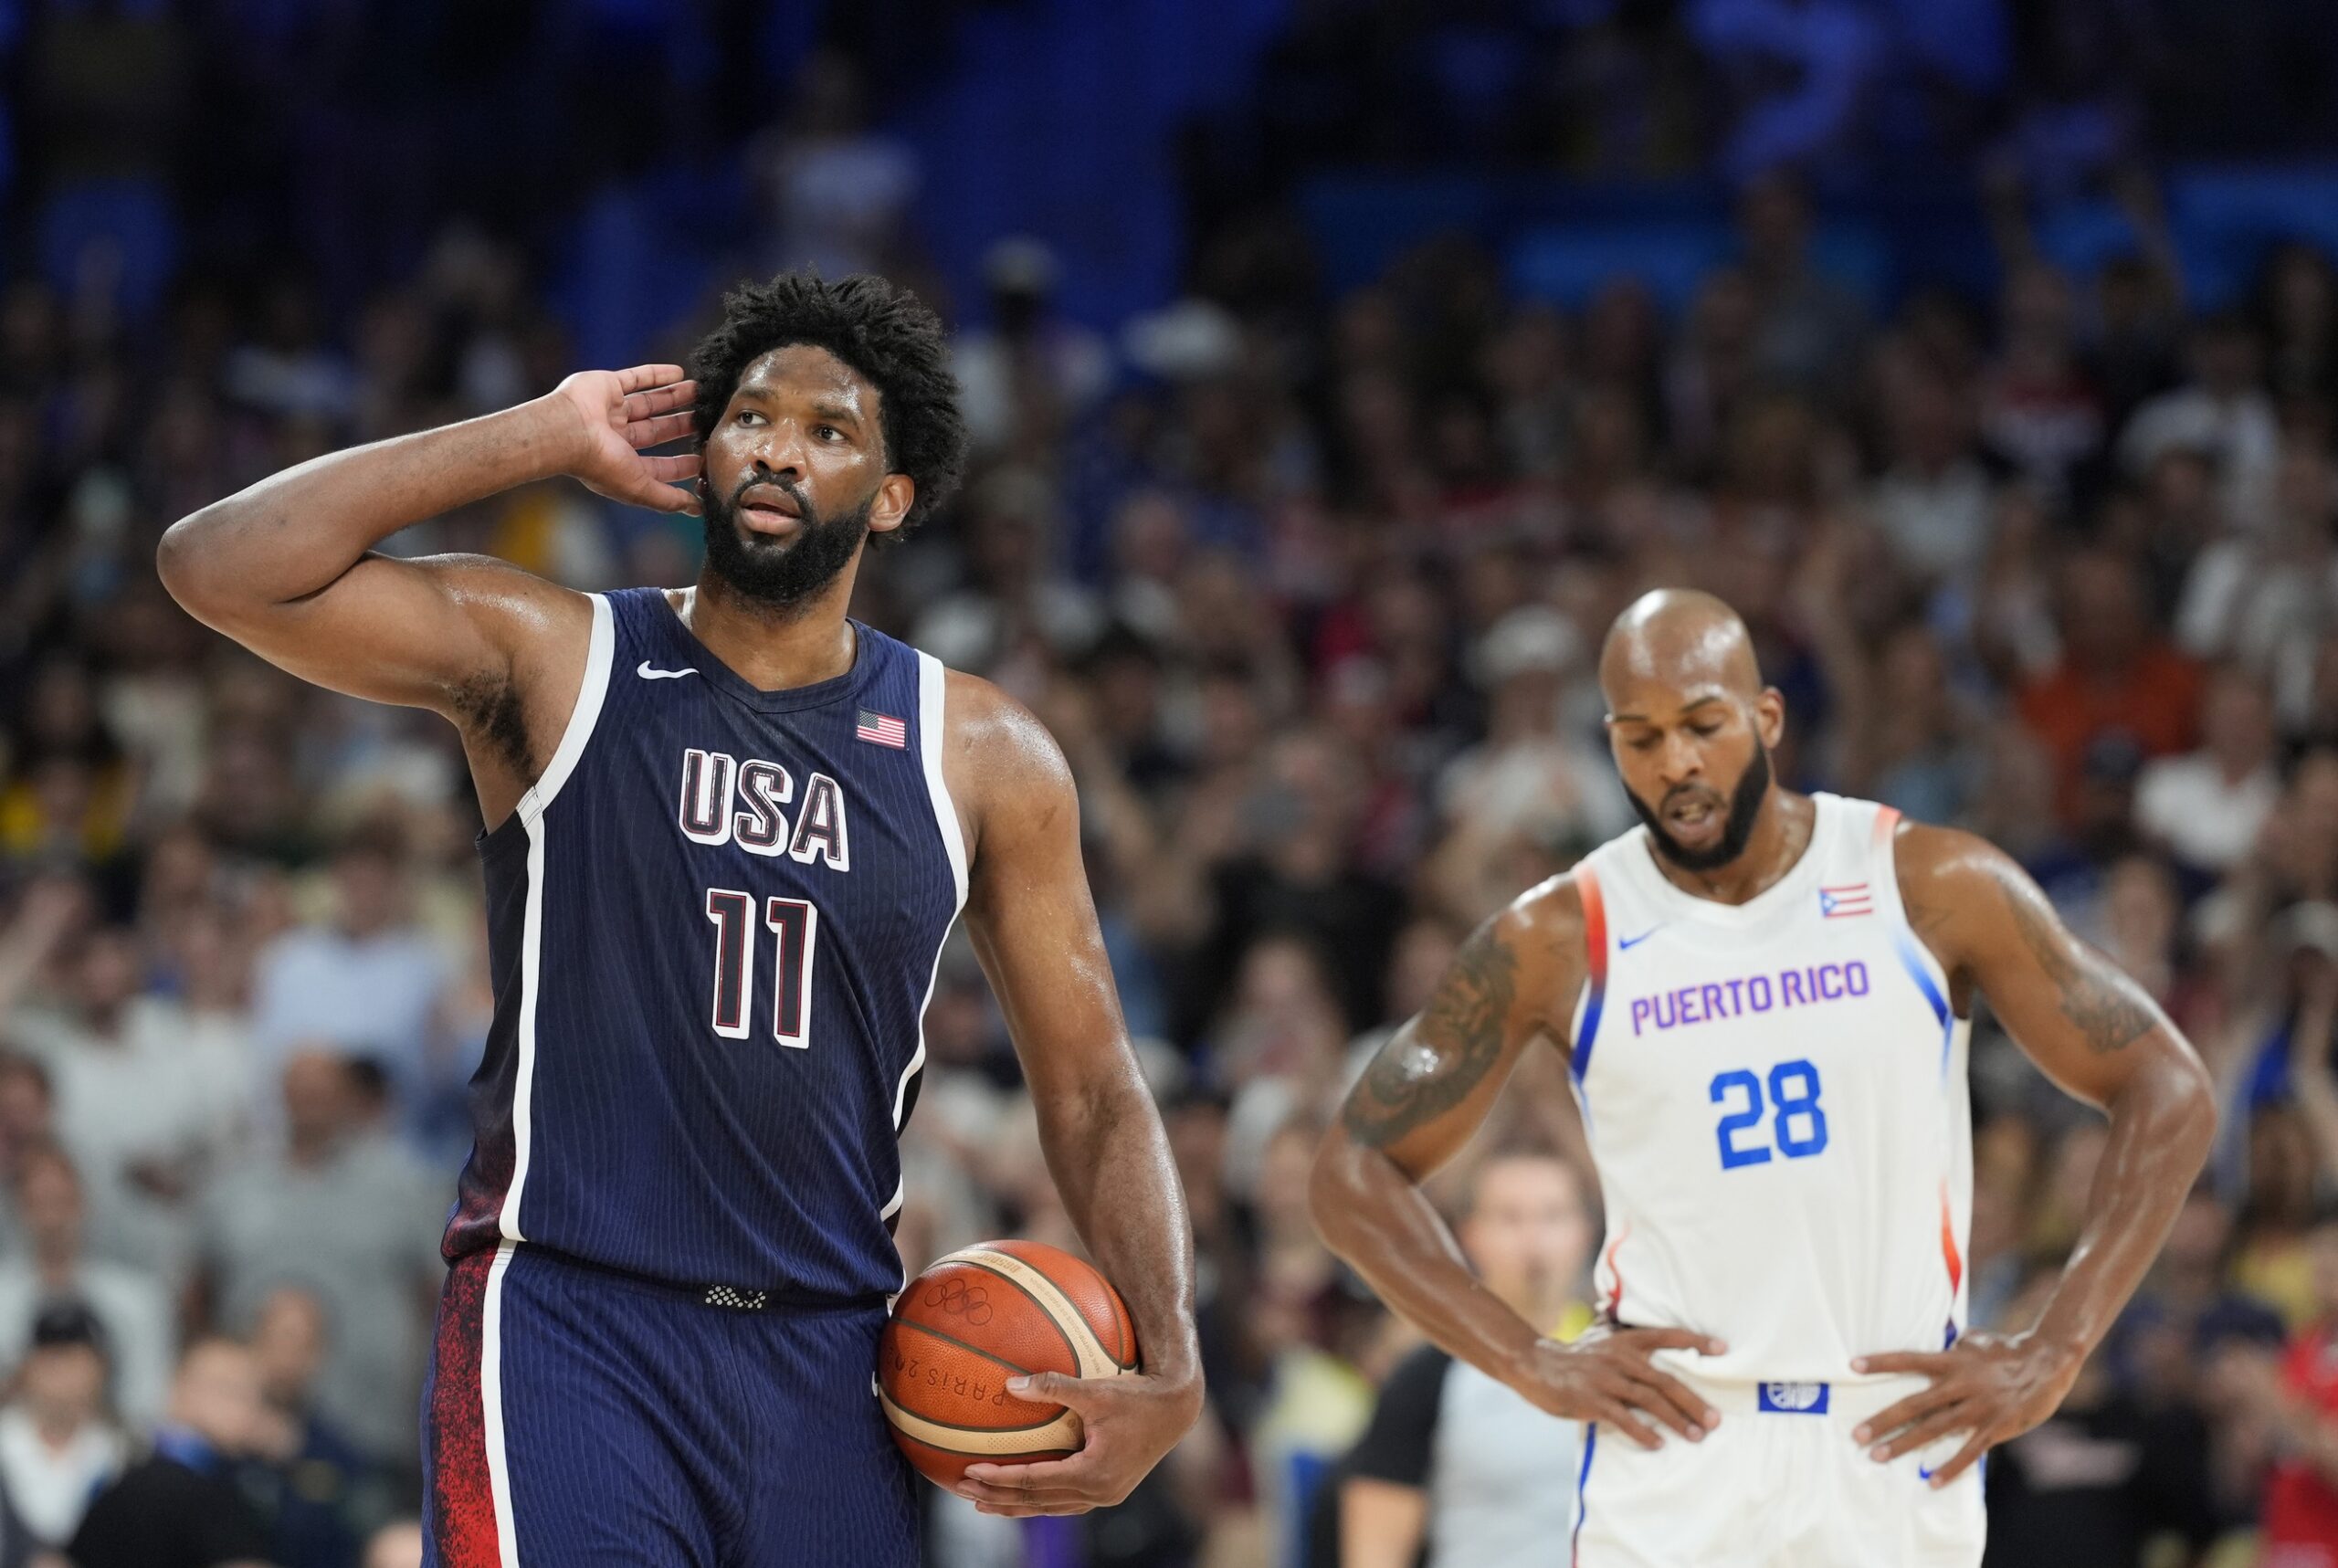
{"x":785,"y":487}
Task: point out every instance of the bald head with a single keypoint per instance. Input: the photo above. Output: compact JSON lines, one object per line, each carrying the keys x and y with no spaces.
{"x":1690,"y":723}
{"x":1682,"y":640}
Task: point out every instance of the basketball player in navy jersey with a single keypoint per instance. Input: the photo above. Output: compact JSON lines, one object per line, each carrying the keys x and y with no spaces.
{"x":1764,"y":999}
{"x":728,"y":828}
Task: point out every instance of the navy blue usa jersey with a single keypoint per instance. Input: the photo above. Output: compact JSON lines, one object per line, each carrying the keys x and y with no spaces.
{"x":714,"y":922}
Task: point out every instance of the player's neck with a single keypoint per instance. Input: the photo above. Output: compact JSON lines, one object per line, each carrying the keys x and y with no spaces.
{"x":771,"y":650}
{"x":1782,"y":829}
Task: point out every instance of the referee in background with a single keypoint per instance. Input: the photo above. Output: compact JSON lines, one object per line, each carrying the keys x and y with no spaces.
{"x":1457,"y":1470}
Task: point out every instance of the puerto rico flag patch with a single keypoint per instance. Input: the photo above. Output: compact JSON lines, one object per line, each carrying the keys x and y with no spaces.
{"x":882,"y":730}
{"x":1841,"y":903}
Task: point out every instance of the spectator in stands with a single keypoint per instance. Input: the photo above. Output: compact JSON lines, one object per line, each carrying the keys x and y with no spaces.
{"x":179,"y":1507}
{"x":1457,"y":1467}
{"x":2117,"y":675}
{"x":371,"y":983}
{"x":58,"y":1447}
{"x":2207,"y":807}
{"x":342,"y":1212}
{"x":326,"y":1495}
{"x":131,"y":1305}
{"x":2224,"y":412}
{"x":132,"y":1108}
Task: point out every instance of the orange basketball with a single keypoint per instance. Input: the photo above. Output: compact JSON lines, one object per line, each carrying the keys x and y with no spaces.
{"x":978,"y":1316}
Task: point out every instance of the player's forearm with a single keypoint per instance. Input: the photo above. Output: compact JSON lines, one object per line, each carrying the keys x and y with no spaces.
{"x":1371,"y":1213}
{"x":1110,"y":1160}
{"x":2162,"y":1122}
{"x":295,"y":532}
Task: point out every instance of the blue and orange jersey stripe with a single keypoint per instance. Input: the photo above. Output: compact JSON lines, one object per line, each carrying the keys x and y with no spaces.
{"x":1595,"y":941}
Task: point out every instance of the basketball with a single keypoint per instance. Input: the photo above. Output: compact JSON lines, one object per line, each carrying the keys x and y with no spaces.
{"x":978,"y":1316}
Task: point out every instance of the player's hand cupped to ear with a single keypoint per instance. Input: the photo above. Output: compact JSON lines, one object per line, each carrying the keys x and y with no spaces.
{"x":620,"y":412}
{"x":1606,"y":1376}
{"x":1993,"y":1386}
{"x":1129,"y":1424}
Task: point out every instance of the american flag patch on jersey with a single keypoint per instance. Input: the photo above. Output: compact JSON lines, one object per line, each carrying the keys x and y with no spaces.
{"x":1843,"y":902}
{"x":882,"y":729}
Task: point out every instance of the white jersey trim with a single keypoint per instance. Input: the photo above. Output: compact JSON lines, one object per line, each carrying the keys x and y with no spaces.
{"x":491,"y":1394}
{"x":600,"y":654}
{"x":932,"y":690}
{"x":582,"y":721}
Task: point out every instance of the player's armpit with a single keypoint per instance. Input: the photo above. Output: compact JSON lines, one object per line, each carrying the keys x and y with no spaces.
{"x":1432,"y":1083}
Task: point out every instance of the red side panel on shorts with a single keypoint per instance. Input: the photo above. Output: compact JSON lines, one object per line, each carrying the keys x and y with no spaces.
{"x":462,"y":1501}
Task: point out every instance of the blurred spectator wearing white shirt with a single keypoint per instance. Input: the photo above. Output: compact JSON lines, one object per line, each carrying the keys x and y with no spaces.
{"x":134,"y":1108}
{"x":2223,"y":411}
{"x":58,"y":1450}
{"x":129,"y":1304}
{"x":369,"y":984}
{"x":2207,"y":806}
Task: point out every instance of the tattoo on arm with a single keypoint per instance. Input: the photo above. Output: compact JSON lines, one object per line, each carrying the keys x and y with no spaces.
{"x":1430,"y":1068}
{"x":2094,"y":996}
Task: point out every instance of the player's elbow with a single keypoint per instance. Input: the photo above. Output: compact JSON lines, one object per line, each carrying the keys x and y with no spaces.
{"x":187,"y":561}
{"x":1336,"y":1191}
{"x":2173,"y":1089}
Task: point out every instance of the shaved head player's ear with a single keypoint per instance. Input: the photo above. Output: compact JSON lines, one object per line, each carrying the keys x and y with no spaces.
{"x":1770,"y":717}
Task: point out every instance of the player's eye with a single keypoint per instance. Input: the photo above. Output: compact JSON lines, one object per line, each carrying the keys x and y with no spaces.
{"x":824,"y":431}
{"x":746,"y":414}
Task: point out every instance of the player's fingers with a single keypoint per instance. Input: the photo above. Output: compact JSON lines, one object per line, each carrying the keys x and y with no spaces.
{"x":1055,"y":1388}
{"x":1615,"y":1413}
{"x":1040,"y":1473}
{"x":681,"y":465}
{"x":1932,"y":1363}
{"x":664,"y":427}
{"x":642,"y":377}
{"x":1644,"y":1341}
{"x":1669,"y":1401}
{"x":1917,"y":1405}
{"x":659,"y":399}
{"x":663,"y":498}
{"x":1925,"y":1432}
{"x":1974,"y":1447}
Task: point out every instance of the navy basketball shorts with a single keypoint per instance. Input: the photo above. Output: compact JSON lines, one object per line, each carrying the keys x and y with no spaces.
{"x":577,"y":1418}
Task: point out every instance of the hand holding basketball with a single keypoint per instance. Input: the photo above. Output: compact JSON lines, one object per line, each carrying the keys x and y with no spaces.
{"x":1130,"y":1423}
{"x":1010,"y":1375}
{"x":611,"y":415}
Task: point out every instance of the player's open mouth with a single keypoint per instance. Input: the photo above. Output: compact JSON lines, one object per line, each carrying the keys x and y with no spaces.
{"x":1690,"y":815}
{"x":769,"y":510}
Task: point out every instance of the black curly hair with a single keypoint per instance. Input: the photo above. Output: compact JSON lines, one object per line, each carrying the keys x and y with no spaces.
{"x":881,"y":330}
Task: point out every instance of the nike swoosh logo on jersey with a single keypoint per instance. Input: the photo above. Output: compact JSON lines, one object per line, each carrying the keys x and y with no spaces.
{"x":649,"y":674}
{"x":1626,"y":944}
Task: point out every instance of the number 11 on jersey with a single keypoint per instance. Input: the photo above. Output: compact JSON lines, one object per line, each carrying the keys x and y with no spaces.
{"x":795,"y":928}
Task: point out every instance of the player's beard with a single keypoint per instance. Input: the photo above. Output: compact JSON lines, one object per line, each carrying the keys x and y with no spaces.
{"x":781,"y":575}
{"x":1744,"y":806}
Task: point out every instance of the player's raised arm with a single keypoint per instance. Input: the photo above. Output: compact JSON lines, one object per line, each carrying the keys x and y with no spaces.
{"x":1513,"y":983}
{"x":2095,"y":1032}
{"x":1033,"y":926}
{"x":285,"y":566}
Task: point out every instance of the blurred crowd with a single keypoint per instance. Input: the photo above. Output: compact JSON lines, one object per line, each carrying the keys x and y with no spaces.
{"x":1309,"y":590}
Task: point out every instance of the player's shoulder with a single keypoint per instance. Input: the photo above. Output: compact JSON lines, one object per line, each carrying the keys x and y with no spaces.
{"x":999,"y":762}
{"x":996,"y":736}
{"x":1946,"y":872}
{"x":1547,"y":920}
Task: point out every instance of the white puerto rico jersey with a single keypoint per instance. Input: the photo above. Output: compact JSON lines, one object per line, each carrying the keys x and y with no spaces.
{"x":1776,"y":1098}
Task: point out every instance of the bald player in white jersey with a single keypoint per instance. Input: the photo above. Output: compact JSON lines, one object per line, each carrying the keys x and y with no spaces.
{"x":1764,"y":999}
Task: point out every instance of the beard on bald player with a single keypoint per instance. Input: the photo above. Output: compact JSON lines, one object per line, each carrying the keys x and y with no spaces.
{"x":1745,"y":807}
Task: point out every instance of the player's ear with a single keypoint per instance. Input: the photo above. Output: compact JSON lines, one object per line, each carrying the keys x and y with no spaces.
{"x":895,"y":496}
{"x":1770,"y":716}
